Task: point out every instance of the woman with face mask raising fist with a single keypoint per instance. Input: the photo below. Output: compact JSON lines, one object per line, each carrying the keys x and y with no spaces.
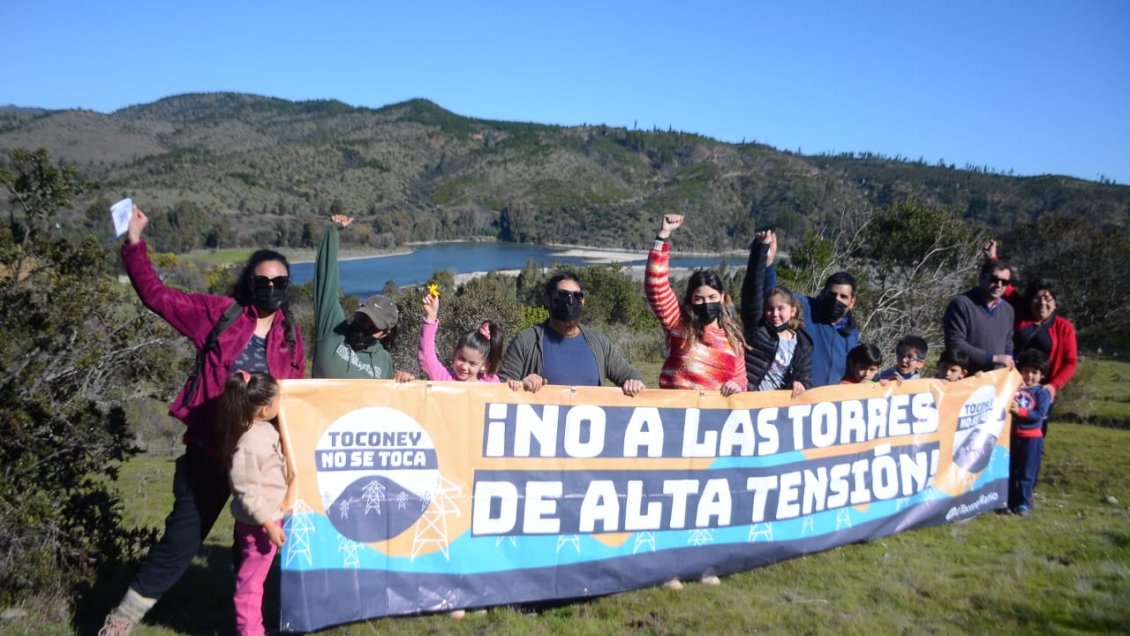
{"x":249,"y":330}
{"x":705,"y":347}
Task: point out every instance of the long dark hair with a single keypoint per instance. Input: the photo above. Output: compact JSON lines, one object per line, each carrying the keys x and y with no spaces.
{"x":692,"y":329}
{"x":490,"y":348}
{"x":241,"y":289}
{"x":244,"y":394}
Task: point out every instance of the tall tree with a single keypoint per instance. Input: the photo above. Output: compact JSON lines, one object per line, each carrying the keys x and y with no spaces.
{"x":74,"y":347}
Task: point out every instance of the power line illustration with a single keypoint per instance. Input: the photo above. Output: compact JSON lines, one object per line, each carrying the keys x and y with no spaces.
{"x":570,"y":539}
{"x":760,"y":531}
{"x":343,"y":509}
{"x":644,"y":540}
{"x":373,"y":494}
{"x":402,"y":500}
{"x":298,"y":530}
{"x":349,"y":548}
{"x":431,"y":528}
{"x":500,"y":538}
{"x":843,"y":518}
{"x":701,"y":536}
{"x":809,"y":525}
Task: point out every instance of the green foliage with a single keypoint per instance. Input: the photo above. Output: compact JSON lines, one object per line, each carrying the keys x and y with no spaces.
{"x":490,"y":297}
{"x":74,"y":346}
{"x":613,"y":298}
{"x":417,"y":172}
{"x":1089,"y":264}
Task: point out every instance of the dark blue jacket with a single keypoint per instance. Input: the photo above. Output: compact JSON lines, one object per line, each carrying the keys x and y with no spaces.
{"x":830,"y":344}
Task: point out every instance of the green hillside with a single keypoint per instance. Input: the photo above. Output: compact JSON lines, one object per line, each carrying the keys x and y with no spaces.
{"x":250,"y":169}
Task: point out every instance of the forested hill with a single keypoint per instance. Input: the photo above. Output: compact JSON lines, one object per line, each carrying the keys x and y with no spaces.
{"x":227,"y":168}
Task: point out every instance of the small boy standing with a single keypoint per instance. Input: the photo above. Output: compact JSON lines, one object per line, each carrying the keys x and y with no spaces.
{"x":953,"y":365}
{"x":1029,"y":411}
{"x":910,"y":359}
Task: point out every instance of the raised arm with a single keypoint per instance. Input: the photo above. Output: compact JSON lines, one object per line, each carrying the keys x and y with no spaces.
{"x":191,"y":314}
{"x":754,"y":285}
{"x":426,"y":351}
{"x":327,"y":279}
{"x":657,"y":282}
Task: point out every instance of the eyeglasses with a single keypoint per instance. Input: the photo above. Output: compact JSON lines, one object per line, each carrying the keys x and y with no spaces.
{"x":911,"y":358}
{"x":564,"y":294}
{"x":997,"y":280}
{"x":278,"y":282}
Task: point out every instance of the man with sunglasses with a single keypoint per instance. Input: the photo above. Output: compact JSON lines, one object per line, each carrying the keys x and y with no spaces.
{"x":559,"y":351}
{"x":979,"y":322}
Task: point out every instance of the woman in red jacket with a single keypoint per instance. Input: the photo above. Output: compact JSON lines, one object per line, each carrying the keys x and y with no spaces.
{"x":260,"y":337}
{"x":1039,"y":327}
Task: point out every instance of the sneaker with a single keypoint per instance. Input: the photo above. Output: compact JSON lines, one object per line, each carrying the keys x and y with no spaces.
{"x":116,"y":625}
{"x":457,"y":614}
{"x":1024,"y":510}
{"x":673,"y":584}
{"x":710,"y":579}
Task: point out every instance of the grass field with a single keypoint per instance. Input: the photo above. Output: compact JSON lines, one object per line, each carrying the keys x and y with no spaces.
{"x":1065,"y":569}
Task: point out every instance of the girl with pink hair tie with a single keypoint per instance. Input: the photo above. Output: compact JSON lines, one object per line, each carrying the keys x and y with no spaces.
{"x":477,"y":356}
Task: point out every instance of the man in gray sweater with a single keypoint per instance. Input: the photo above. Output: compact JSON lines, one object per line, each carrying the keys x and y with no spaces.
{"x":560,"y":351}
{"x":979,"y":321}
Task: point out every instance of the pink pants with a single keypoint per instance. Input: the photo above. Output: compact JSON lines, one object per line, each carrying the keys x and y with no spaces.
{"x":257,"y":554}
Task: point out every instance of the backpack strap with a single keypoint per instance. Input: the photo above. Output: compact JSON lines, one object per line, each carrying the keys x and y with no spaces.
{"x":211,"y":342}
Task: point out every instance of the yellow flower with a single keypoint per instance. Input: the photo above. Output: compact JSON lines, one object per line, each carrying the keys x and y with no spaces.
{"x":433,"y":289}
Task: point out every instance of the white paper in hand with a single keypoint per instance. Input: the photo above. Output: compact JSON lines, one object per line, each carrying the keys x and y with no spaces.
{"x":121,"y":212}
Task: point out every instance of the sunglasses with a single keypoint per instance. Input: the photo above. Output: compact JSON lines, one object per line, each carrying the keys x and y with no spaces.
{"x":262,"y":282}
{"x":563,"y":294}
{"x":997,"y":280}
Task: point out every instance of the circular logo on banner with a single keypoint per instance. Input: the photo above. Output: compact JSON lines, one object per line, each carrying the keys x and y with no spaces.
{"x":979,"y":425}
{"x":377,"y":470}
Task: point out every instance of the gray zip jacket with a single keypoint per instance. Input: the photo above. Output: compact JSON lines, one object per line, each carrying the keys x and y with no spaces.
{"x":524,"y":356}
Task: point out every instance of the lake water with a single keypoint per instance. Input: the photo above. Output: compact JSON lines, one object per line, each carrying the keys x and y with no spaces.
{"x":367,"y":276}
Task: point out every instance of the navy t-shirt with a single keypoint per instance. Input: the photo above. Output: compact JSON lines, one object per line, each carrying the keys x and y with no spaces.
{"x":253,"y":358}
{"x":568,"y":361}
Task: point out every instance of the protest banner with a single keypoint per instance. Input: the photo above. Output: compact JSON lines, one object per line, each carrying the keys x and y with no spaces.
{"x":432,"y":496}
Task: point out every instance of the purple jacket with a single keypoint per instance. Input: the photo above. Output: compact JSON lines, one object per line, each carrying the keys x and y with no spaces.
{"x":194,"y":315}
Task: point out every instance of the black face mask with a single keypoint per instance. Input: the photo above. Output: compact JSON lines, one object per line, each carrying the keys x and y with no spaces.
{"x":357,"y":338}
{"x":783,"y":327}
{"x":833,"y":309}
{"x":707,"y":312}
{"x":268,"y":299}
{"x":565,"y":309}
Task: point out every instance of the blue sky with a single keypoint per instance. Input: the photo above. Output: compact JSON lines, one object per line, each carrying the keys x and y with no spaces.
{"x":1031,"y":86}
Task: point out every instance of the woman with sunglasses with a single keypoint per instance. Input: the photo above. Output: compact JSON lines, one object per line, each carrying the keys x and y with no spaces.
{"x":351,"y":347}
{"x":260,"y":337}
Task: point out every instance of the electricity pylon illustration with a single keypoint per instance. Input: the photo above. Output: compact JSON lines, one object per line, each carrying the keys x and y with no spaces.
{"x":701,"y":536}
{"x":373,"y":494}
{"x":809,"y":525}
{"x":760,"y":531}
{"x":298,"y":531}
{"x":571,"y":539}
{"x":349,"y":549}
{"x":644,"y":539}
{"x":431,"y":529}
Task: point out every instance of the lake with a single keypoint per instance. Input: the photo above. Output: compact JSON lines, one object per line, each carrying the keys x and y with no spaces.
{"x":366,"y":276}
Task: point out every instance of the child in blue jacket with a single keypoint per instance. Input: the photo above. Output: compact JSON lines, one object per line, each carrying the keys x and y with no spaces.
{"x":1029,"y":411}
